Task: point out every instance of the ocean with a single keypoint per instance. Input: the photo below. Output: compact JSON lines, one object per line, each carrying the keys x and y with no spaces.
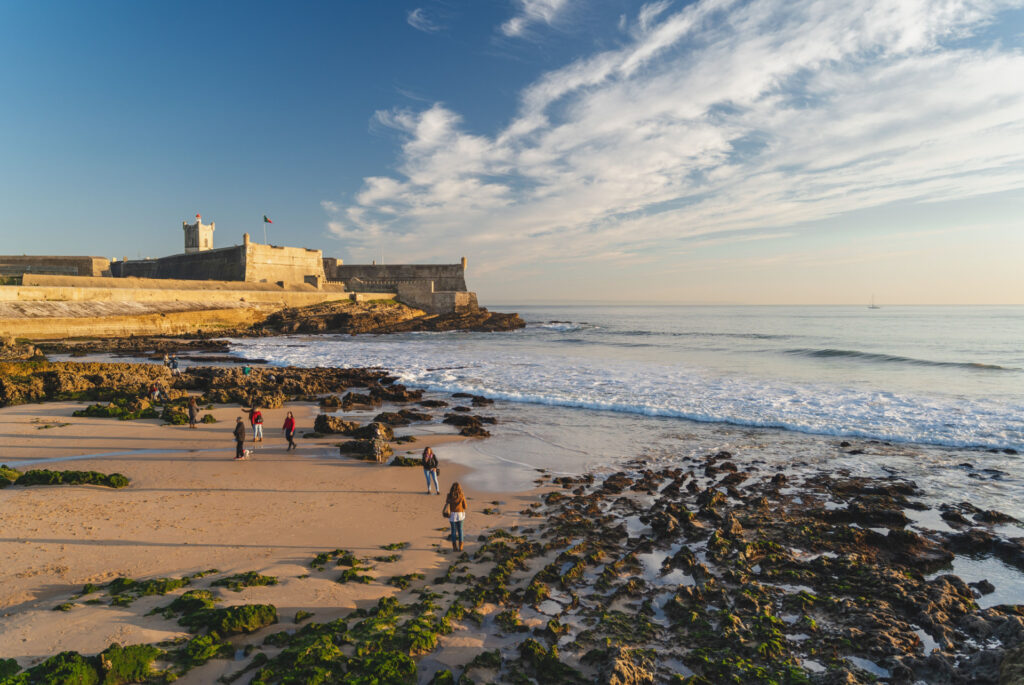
{"x":935,"y":394}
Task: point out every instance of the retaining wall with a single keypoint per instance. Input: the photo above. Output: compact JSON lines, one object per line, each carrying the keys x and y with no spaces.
{"x":16,"y":265}
{"x":444,"y":276}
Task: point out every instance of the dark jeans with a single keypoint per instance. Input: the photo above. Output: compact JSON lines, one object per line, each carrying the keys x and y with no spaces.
{"x":239,"y":448}
{"x":457,"y":531}
{"x":291,"y":438}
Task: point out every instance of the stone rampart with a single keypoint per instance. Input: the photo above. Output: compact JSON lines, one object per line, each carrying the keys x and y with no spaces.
{"x":158,"y":323}
{"x":273,"y":264}
{"x":444,"y":276}
{"x":221,"y":264}
{"x":71,"y":293}
{"x":18,"y":265}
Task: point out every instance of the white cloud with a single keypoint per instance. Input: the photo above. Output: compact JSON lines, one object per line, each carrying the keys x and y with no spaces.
{"x":720,"y":118}
{"x":419,"y":20}
{"x":532,"y":12}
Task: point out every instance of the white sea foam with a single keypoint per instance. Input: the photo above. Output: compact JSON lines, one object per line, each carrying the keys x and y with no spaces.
{"x":520,"y":370}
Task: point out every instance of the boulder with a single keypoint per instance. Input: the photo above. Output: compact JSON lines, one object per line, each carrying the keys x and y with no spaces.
{"x":367,"y":450}
{"x":391,"y":419}
{"x":373,"y":431}
{"x":327,"y":424}
{"x":627,"y":667}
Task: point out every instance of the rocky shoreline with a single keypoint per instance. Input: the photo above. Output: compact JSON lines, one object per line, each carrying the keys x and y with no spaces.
{"x":722,"y":568}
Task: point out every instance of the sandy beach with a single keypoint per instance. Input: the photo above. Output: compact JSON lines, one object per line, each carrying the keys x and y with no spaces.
{"x":190,"y":507}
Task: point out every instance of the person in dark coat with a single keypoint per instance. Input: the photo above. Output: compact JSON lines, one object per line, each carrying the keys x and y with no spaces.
{"x":193,"y":413}
{"x":239,"y":439}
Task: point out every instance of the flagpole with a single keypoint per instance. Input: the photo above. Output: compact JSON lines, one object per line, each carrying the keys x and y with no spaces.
{"x":265,"y":229}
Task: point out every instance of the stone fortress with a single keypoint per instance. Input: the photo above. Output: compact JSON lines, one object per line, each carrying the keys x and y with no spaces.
{"x":434,"y":288}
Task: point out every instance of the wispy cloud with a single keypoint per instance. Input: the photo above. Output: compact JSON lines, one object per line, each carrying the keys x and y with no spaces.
{"x":721,"y":117}
{"x":419,"y":20}
{"x":532,"y":12}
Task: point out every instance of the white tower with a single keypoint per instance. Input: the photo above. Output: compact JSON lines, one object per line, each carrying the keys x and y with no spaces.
{"x":198,"y":236}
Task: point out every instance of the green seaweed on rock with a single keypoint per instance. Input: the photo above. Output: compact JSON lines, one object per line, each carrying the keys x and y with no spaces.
{"x":239,"y":581}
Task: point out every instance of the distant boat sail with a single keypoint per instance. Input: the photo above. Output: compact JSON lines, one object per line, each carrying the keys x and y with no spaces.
{"x":873,"y":305}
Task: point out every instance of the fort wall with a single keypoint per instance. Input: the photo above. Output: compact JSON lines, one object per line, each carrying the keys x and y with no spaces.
{"x":221,"y":264}
{"x":250,"y":262}
{"x":273,"y":263}
{"x":221,"y":293}
{"x":444,"y":276}
{"x":18,"y":265}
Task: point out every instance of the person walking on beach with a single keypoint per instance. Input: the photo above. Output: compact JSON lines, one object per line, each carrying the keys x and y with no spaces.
{"x":256,"y":420}
{"x":239,"y":439}
{"x":430,"y":469}
{"x":289,"y":431}
{"x":455,"y":509}
{"x":193,"y":412}
{"x":174,"y":365}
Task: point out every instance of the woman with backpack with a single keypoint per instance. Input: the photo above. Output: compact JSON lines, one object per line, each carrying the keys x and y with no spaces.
{"x":256,"y":419}
{"x":431,"y":469}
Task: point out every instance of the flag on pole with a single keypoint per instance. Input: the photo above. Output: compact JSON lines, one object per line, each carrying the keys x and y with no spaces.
{"x":266,"y":220}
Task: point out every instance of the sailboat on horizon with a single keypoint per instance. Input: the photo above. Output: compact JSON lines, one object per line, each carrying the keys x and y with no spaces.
{"x":873,"y":305}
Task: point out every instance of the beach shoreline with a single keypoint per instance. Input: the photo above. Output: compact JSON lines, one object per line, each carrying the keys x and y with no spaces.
{"x":190,"y":507}
{"x":632,"y":555}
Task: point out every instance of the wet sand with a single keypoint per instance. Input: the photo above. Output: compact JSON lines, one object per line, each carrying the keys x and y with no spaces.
{"x":190,"y":507}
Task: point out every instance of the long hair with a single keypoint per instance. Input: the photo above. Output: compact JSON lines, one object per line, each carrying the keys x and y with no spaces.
{"x":455,"y":494}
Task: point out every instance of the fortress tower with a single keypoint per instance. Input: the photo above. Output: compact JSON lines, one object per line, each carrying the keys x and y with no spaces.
{"x":198,"y":236}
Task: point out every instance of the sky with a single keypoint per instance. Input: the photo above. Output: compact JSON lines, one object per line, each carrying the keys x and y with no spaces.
{"x":701,"y":152}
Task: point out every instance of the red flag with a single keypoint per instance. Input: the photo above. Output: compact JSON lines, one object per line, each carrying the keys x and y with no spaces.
{"x":266,"y":220}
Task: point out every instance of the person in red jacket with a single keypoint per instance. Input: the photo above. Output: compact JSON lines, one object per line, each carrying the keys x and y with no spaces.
{"x":289,"y":430}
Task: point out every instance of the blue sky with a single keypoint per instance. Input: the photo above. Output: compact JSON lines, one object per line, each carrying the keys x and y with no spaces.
{"x":768,"y":151}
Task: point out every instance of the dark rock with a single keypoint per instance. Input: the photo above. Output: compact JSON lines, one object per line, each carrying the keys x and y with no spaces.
{"x":412,"y":415}
{"x":627,"y":667}
{"x":355,"y":399}
{"x":462,"y":409}
{"x":367,"y":450}
{"x":983,"y":587}
{"x":474,"y":431}
{"x":911,"y":549}
{"x":326,"y":424}
{"x":373,"y":431}
{"x":994,"y":517}
{"x":394,"y":393}
{"x":432,"y":404}
{"x":391,"y":419}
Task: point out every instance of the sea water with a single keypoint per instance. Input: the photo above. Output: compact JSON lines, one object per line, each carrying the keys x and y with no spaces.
{"x":935,"y":394}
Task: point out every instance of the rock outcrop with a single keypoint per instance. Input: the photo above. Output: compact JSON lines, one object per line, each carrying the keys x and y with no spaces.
{"x":379,"y":317}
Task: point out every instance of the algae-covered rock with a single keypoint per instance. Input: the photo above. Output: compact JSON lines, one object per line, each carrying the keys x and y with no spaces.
{"x":405,"y":461}
{"x":201,"y":649}
{"x":242,"y":580}
{"x":8,"y":667}
{"x":8,"y":476}
{"x":47,"y":477}
{"x":132,"y":664}
{"x":64,"y":668}
{"x":443,"y":677}
{"x":246,"y":618}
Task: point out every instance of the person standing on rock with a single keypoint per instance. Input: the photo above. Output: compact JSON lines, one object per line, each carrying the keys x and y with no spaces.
{"x":289,"y":430}
{"x":193,"y":412}
{"x":455,"y":509}
{"x":430,"y":469}
{"x":239,"y":439}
